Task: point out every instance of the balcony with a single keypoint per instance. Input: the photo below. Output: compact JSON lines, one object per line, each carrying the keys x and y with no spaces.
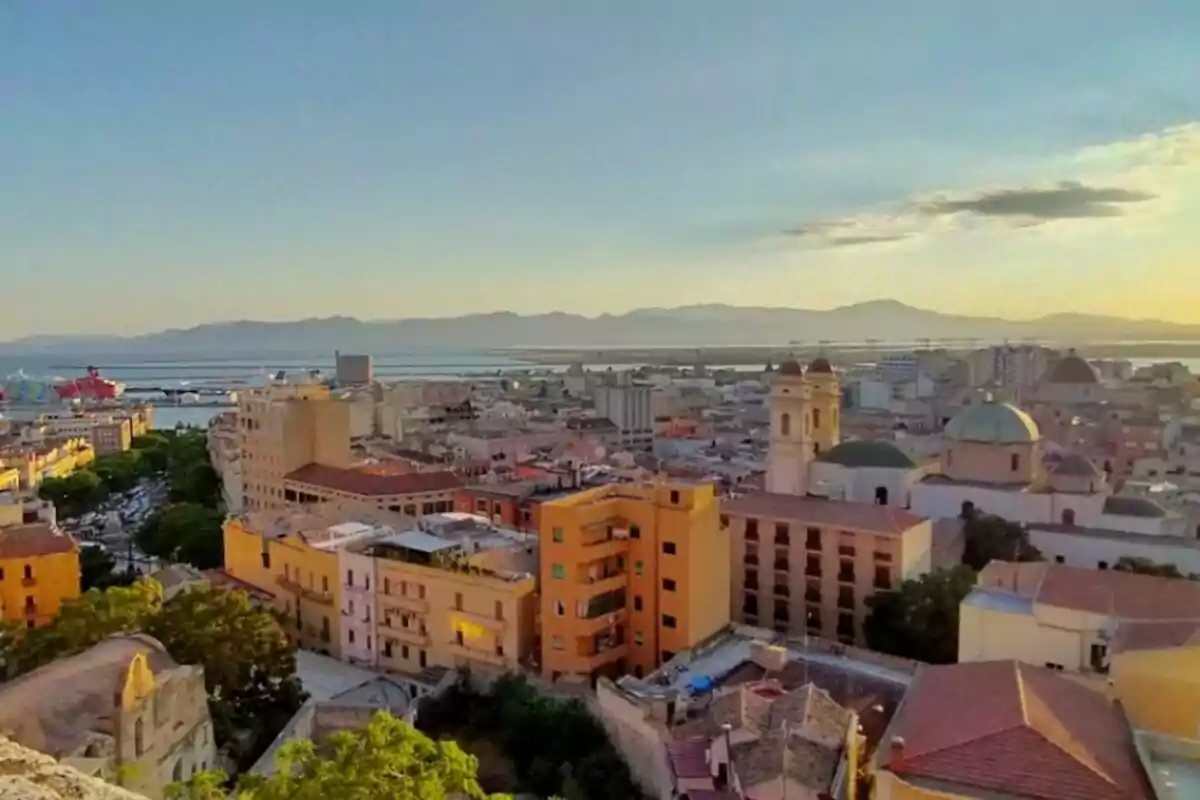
{"x":752,"y":559}
{"x":482,"y":620}
{"x":605,"y":657}
{"x":404,"y":635}
{"x":403,"y":603}
{"x":29,"y":582}
{"x":604,"y":584}
{"x":600,"y":623}
{"x":613,"y":542}
{"x":476,"y":654}
{"x":324,"y":598}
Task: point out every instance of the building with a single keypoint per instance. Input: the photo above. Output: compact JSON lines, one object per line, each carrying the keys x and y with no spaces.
{"x":864,"y":471}
{"x":1007,"y":729}
{"x":286,"y":427}
{"x":225,"y":454}
{"x":630,"y":575}
{"x":456,"y":591}
{"x":806,"y":565}
{"x":351,"y":490}
{"x":122,"y":710}
{"x":39,"y":569}
{"x":1064,"y":617}
{"x":352,"y":370}
{"x":294,"y":556}
{"x":1071,"y":381}
{"x":47,"y":458}
{"x":627,"y":405}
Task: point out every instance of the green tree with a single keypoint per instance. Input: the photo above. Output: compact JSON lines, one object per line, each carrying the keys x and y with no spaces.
{"x":74,"y":494}
{"x":97,"y":570}
{"x":249,"y":662}
{"x":388,"y":759}
{"x":919,"y":620}
{"x":187,"y":532}
{"x":991,"y":538}
{"x":207,"y":785}
{"x":1145,"y":566}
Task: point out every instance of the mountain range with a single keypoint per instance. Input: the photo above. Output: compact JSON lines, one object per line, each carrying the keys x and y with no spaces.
{"x":690,"y":326}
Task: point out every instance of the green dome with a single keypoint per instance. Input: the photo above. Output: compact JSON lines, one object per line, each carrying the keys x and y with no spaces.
{"x":993,"y":423}
{"x":867,"y":454}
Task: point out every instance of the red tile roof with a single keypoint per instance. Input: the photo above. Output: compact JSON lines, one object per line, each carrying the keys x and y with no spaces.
{"x":1016,"y":729}
{"x":822,"y":512}
{"x":34,"y":539}
{"x":1156,"y":635}
{"x":1124,"y":595}
{"x":363,"y":482}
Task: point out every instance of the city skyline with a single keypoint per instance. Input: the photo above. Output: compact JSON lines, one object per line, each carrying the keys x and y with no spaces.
{"x":387,"y":162}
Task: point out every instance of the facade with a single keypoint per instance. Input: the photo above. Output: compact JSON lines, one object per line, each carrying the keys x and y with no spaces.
{"x":630,"y":575}
{"x":285,"y":427}
{"x":225,"y":454}
{"x":123,"y":710}
{"x":805,"y":565}
{"x":628,"y":406}
{"x":353,"y":370}
{"x":1006,"y":729}
{"x":49,"y":458}
{"x":39,"y":571}
{"x":371,"y":489}
{"x":453,"y":592}
{"x":1064,"y":617}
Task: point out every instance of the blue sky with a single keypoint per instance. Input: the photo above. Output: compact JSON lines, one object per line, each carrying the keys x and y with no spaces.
{"x":166,"y":164}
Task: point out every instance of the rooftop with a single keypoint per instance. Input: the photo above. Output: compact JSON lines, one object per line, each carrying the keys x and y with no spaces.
{"x":866,"y":453}
{"x":1009,"y":728}
{"x":819,"y":511}
{"x":364,"y":482}
{"x":34,"y":539}
{"x":461,"y":542}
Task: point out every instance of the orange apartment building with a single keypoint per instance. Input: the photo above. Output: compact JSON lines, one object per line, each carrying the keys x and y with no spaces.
{"x":630,"y":575}
{"x":285,"y":427}
{"x":806,"y":565}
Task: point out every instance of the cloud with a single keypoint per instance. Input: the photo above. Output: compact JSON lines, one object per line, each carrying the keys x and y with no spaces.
{"x":1108,"y":181}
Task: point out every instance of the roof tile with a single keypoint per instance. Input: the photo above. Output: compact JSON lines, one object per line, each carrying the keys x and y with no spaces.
{"x":373,"y":484}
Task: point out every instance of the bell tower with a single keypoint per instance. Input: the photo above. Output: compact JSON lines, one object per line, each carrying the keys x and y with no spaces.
{"x":791,"y":447}
{"x":825,"y":404}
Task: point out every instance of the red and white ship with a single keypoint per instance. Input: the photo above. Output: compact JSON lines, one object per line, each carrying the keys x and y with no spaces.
{"x":89,"y":387}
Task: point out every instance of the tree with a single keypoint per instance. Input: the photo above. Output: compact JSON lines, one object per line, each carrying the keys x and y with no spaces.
{"x":1145,"y":566}
{"x":990,"y":538}
{"x":388,"y":758}
{"x":919,"y":620}
{"x":83,"y":622}
{"x":249,"y":662}
{"x":186,"y":532}
{"x":74,"y":494}
{"x":97,"y":570}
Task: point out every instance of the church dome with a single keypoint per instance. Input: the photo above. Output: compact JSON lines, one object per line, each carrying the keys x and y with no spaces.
{"x":862,"y":453}
{"x":993,"y":423}
{"x":1075,"y":466}
{"x":791,"y":367}
{"x":1071,"y":368}
{"x":821,"y":365}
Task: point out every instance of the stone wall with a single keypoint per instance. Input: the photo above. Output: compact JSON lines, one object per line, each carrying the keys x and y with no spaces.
{"x":29,"y":775}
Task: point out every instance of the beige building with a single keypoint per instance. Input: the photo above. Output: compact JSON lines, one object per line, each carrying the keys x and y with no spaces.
{"x":123,"y":710}
{"x":285,"y":427}
{"x":371,"y":488}
{"x":1063,"y":617}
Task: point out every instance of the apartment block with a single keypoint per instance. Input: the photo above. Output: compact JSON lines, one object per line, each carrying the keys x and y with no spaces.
{"x":808,"y":565}
{"x":630,"y":575}
{"x":39,"y":566}
{"x":285,"y":427}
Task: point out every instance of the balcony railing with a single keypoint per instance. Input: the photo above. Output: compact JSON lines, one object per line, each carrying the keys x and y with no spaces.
{"x":483,"y":620}
{"x":325,"y":598}
{"x":395,"y":630}
{"x":400,"y":601}
{"x":476,"y":654}
{"x":782,"y":590}
{"x":30,"y":581}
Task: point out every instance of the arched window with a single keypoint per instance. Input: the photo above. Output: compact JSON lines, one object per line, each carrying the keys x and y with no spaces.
{"x":881,"y":496}
{"x":1015,"y":461}
{"x":139,"y":737}
{"x":177,"y":773}
{"x":816,"y":419}
{"x":1068,"y":516}
{"x":785,"y":424}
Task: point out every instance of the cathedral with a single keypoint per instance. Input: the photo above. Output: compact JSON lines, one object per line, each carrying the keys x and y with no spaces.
{"x":804,"y":423}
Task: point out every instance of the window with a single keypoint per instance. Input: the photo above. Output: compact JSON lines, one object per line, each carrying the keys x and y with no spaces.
{"x":325,"y":584}
{"x":812,"y":566}
{"x":558,"y":571}
{"x":1068,"y":516}
{"x":387,"y":585}
{"x":1015,"y":462}
{"x":1060,"y":560}
{"x":881,"y":496}
{"x":324,"y":629}
{"x":559,"y":608}
{"x":781,"y":610}
{"x":637,"y":568}
{"x":812,"y":539}
{"x":266,"y":562}
{"x":458,"y":638}
{"x":668,"y":548}
{"x":349,"y":577}
{"x":668,"y":585}
{"x":352,"y":608}
{"x":422,"y":659}
{"x":28,"y":572}
{"x":499,"y":609}
{"x":750,"y":581}
{"x":781,"y":533}
{"x":139,"y":737}
{"x":557,"y":642}
{"x":845,"y":626}
{"x":816,"y":419}
{"x":668,"y":621}
{"x":812,"y":592}
{"x":637,"y":602}
{"x":635,"y":532}
{"x":1102,"y":565}
{"x":368,"y":644}
{"x":883,"y":578}
{"x":750,"y":605}
{"x":785,"y":424}
{"x":638,"y":638}
{"x":674,"y":498}
{"x":1099,"y":657}
{"x":351,"y":635}
{"x":557,"y":535}
{"x":458,"y":601}
{"x":751,"y":530}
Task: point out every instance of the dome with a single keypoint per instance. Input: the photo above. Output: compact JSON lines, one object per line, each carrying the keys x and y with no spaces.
{"x":867,"y":454}
{"x":993,"y":423}
{"x":1071,"y":369}
{"x":821,"y":365}
{"x":791,"y":367}
{"x":1133,"y":507}
{"x":1076,"y":466}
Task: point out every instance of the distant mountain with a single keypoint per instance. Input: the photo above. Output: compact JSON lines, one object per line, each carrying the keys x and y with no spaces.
{"x":689,"y":326}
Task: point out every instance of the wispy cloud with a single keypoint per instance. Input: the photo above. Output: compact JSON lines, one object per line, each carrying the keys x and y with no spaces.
{"x":1109,"y":182}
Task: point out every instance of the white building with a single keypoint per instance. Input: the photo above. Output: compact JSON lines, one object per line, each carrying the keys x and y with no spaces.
{"x":628,"y":406}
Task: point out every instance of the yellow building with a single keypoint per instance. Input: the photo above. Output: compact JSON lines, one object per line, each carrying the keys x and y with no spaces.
{"x":1155,"y":673}
{"x":630,"y":574}
{"x":50,"y":459}
{"x":39,"y":571}
{"x":285,"y":427}
{"x":10,"y":479}
{"x":456,"y":592}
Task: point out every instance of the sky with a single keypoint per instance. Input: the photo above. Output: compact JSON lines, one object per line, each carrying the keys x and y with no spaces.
{"x":170,"y":164}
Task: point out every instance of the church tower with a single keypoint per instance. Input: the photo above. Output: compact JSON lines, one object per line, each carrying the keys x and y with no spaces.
{"x":824,"y":405}
{"x":791,"y":446}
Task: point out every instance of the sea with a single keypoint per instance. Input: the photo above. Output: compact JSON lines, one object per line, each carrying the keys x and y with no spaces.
{"x":198,"y":372}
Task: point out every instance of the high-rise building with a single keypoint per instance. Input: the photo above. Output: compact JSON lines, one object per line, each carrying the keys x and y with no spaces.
{"x":627,"y":405}
{"x":630,"y":575}
{"x":352,"y":369}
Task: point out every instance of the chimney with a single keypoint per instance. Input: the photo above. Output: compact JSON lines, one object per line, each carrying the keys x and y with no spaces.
{"x":896,"y":754}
